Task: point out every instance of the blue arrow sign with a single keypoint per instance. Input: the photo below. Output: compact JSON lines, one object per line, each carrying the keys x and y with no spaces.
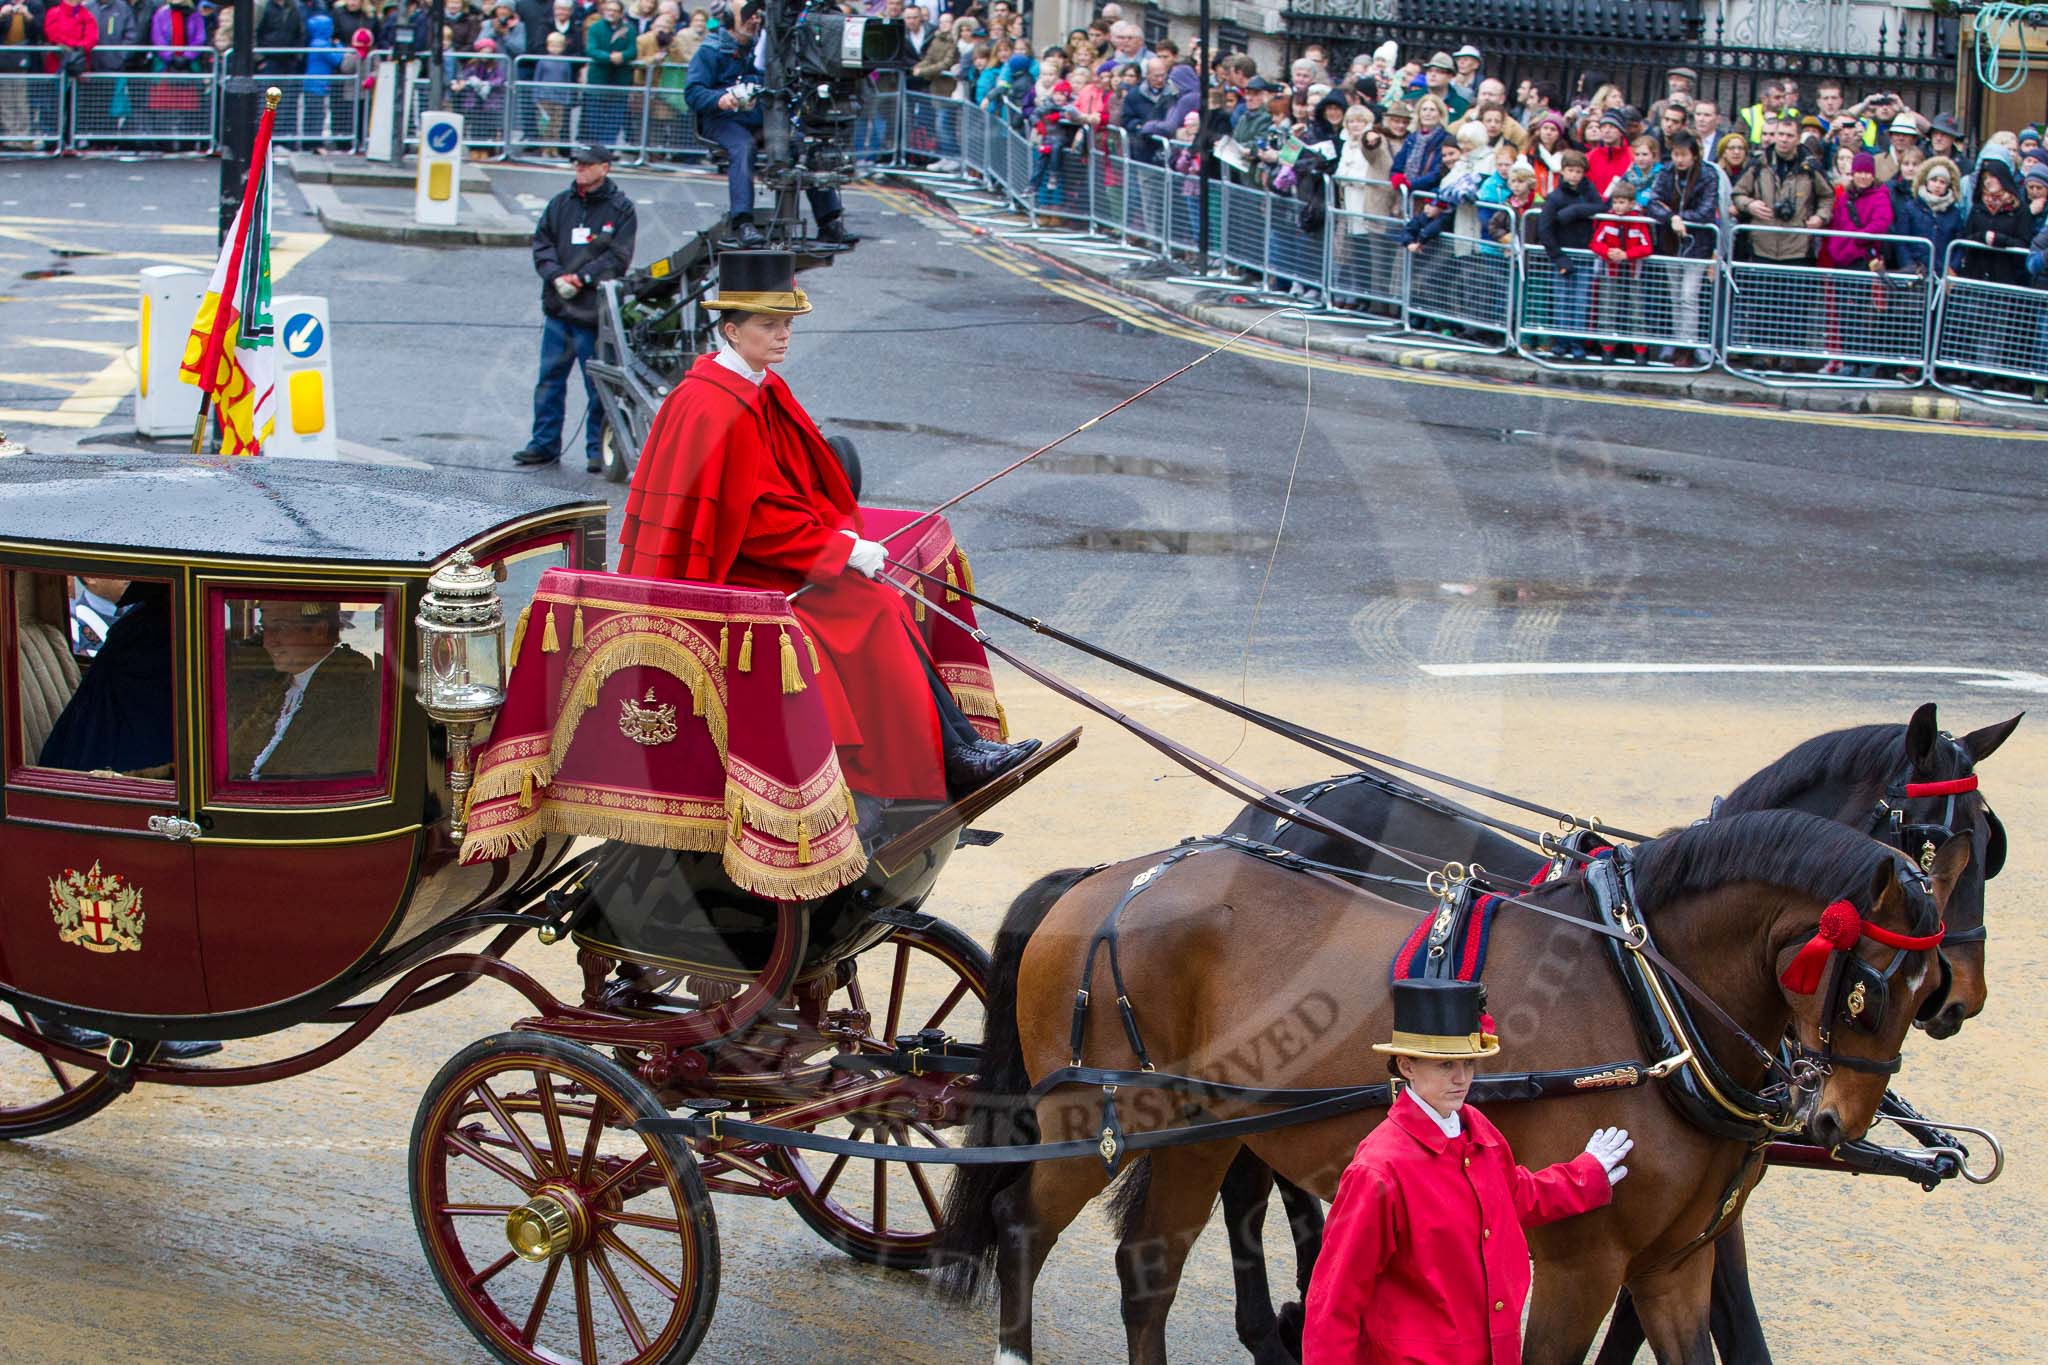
{"x":303,"y":335}
{"x":441,"y":138}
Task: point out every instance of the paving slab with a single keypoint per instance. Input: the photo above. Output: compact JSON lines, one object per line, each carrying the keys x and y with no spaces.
{"x":314,"y":168}
{"x":385,"y":215}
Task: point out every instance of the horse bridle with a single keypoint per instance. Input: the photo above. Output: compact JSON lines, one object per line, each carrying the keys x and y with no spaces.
{"x":1921,"y":840}
{"x":1858,"y":993}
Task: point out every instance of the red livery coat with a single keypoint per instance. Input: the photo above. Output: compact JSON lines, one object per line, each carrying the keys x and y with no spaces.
{"x":1423,"y":1260}
{"x":736,"y":486}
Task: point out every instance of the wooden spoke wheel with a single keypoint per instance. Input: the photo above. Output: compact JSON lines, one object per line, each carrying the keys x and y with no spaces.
{"x":888,"y":1213}
{"x":39,"y":1094}
{"x":558,"y":1232}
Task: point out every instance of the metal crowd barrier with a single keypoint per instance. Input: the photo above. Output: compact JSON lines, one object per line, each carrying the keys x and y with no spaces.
{"x":1366,"y":263}
{"x":1460,"y":283}
{"x":1990,"y":332}
{"x":479,"y":87}
{"x":1646,"y":311}
{"x":31,"y":106}
{"x":313,"y":110}
{"x":1790,"y":322}
{"x":174,"y":110}
{"x":929,"y":128}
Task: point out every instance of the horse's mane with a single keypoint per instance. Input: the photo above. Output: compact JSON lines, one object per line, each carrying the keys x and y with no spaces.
{"x":1870,"y":754}
{"x":1801,"y":853}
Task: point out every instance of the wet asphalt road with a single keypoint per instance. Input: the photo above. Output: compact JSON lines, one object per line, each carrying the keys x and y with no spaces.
{"x":1438,"y":529}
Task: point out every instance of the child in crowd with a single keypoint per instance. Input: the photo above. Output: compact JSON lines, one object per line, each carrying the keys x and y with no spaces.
{"x":1056,"y":128}
{"x":1643,"y":168}
{"x":556,"y":76}
{"x":1620,"y":240}
{"x":1502,"y":223}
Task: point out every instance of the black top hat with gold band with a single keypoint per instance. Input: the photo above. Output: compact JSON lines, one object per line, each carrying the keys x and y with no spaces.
{"x":759,"y":282}
{"x":1440,"y":1019}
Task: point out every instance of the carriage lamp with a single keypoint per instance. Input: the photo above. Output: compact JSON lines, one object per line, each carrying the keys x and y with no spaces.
{"x":462,"y":666}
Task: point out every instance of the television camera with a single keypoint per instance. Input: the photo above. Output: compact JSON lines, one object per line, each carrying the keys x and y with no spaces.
{"x":816,"y":85}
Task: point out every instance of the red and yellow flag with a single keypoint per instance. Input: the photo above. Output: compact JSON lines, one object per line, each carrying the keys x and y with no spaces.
{"x":231,"y":353}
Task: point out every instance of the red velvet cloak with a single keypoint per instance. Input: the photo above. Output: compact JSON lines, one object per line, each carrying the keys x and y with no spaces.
{"x":736,"y":486}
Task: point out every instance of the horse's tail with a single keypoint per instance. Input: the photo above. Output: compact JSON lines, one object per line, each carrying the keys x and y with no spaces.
{"x":999,"y":1117}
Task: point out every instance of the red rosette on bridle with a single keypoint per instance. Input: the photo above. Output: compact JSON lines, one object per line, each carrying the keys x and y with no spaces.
{"x":1840,"y":927}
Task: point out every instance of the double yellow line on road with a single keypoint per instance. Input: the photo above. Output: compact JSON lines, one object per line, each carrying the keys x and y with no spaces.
{"x":1104,"y":299}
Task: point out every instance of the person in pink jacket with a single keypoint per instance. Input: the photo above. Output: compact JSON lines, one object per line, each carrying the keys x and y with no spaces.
{"x":1423,"y":1259}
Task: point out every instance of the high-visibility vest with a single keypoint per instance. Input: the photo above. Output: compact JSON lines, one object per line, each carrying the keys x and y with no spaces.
{"x":1753,"y":118}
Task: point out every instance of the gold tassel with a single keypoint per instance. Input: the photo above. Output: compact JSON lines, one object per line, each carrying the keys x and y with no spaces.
{"x":952,"y":583}
{"x":966,"y":572}
{"x":852,"y":810}
{"x":519,"y":631}
{"x":1002,"y":724}
{"x":724,"y":636}
{"x":576,"y":629}
{"x":696,"y":697}
{"x":747,"y":649}
{"x":792,"y":673}
{"x":917,"y":609}
{"x":803,"y":840}
{"x":550,"y":643}
{"x":587,"y":690}
{"x":733,"y":809}
{"x":526,"y":790}
{"x":812,"y":645}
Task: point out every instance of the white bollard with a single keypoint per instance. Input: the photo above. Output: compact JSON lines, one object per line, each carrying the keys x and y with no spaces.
{"x":305,"y":380}
{"x":437,"y":191}
{"x":389,"y":92}
{"x":164,"y":404}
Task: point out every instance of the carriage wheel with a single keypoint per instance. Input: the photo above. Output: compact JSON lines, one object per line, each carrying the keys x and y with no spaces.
{"x":618,"y":465}
{"x":887,"y":1213}
{"x":557,"y":1232}
{"x":40,"y":1095}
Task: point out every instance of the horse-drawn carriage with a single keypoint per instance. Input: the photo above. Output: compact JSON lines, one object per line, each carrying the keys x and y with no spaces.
{"x":266,"y":765}
{"x":252,"y":717}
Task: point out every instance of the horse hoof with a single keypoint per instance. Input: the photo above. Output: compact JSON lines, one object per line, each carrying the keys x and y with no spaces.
{"x":1292,"y":1318}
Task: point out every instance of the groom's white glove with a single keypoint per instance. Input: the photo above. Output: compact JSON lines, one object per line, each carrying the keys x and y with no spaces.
{"x":1609,"y":1146}
{"x":868,"y":556}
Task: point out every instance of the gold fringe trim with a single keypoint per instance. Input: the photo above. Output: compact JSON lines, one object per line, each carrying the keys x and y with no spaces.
{"x":550,"y":643}
{"x":790,"y":825}
{"x":792,"y":672}
{"x":812,"y":646}
{"x":821,"y":880}
{"x":747,"y":649}
{"x":519,"y":630}
{"x":724,"y":636}
{"x":576,"y":629}
{"x":952,"y":584}
{"x":803,"y":840}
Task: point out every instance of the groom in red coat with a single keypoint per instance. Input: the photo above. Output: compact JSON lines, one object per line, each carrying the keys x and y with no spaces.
{"x":736,"y":486}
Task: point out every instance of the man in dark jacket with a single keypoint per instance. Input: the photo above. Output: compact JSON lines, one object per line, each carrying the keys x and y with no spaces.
{"x":720,"y":90}
{"x":1566,"y":224}
{"x":280,"y":23}
{"x":584,"y":237}
{"x":1148,"y":100}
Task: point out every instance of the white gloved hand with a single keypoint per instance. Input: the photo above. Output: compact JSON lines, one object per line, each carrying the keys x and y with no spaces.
{"x":867,"y":557}
{"x":1608,"y":1146}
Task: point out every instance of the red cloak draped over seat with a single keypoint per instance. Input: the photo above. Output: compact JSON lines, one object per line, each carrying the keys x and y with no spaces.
{"x":736,"y":486}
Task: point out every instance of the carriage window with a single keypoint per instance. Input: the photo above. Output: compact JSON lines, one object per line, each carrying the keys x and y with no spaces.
{"x":519,"y":573}
{"x":301,"y":690}
{"x":94,"y":670}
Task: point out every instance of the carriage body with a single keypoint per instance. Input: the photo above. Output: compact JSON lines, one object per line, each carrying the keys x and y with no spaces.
{"x":147,"y":886}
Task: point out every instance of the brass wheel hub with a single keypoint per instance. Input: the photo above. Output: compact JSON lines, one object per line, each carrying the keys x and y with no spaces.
{"x":544,"y":1226}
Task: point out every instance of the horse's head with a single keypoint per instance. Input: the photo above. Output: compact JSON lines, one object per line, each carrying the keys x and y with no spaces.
{"x":1858,"y":980}
{"x":1938,"y":797}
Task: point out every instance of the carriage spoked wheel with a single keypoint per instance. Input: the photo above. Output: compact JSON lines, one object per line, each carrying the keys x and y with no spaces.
{"x":39,"y":1094}
{"x":557,"y":1232}
{"x":618,"y":467}
{"x":888,"y":1213}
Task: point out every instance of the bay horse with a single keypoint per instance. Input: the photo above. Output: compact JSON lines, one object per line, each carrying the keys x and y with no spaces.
{"x":1843,"y":775}
{"x":1242,"y":971}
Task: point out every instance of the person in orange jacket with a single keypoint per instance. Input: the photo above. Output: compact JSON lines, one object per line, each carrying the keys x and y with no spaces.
{"x":1423,"y":1259}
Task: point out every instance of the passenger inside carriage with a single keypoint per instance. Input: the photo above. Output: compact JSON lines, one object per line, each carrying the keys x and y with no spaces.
{"x":300,"y":702}
{"x":119,"y":719}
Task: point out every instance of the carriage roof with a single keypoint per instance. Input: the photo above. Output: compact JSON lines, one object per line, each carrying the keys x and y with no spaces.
{"x":240,"y":510}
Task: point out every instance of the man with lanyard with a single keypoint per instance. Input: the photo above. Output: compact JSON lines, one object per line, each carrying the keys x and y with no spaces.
{"x":584,"y":237}
{"x":737,"y":486}
{"x":1423,"y":1259}
{"x":720,"y":89}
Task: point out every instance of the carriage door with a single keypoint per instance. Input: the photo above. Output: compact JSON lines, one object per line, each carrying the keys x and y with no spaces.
{"x":96,"y":890}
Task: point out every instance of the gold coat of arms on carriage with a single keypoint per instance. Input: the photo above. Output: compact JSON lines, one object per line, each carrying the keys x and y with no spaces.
{"x":648,"y":724}
{"x":97,"y":910}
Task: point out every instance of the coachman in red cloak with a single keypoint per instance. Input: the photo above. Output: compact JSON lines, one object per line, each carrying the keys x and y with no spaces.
{"x":736,"y":486}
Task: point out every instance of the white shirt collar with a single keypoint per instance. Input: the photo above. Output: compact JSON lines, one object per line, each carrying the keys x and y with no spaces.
{"x":1451,"y":1126}
{"x":731,"y":360}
